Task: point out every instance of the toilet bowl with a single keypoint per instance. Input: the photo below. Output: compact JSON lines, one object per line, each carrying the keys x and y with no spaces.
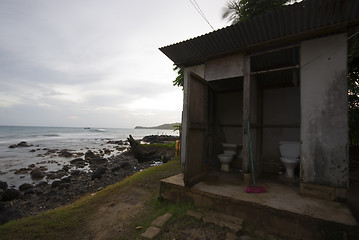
{"x":290,"y":152}
{"x":229,"y":150}
{"x":225,"y":160}
{"x":290,"y":164}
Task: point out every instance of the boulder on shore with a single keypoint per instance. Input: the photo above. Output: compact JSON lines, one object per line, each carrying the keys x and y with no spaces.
{"x":37,"y":174}
{"x":65,"y":153}
{"x":3,"y":185}
{"x":20,"y":144}
{"x":25,"y":186}
{"x":98,"y":173}
{"x":89,"y":155}
{"x":10,"y":194}
{"x":146,"y":153}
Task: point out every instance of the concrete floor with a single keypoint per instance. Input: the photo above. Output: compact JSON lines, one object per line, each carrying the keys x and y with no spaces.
{"x":279,"y":196}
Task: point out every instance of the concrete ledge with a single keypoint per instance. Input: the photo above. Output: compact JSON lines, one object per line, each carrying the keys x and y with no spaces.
{"x":323,"y":192}
{"x":274,"y":219}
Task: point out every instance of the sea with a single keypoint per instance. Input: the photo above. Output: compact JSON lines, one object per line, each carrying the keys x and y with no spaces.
{"x":43,"y":139}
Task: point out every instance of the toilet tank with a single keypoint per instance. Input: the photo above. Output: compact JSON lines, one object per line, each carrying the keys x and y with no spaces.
{"x":289,"y":149}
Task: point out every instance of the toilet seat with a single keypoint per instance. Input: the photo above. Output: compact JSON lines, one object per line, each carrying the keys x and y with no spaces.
{"x":289,"y":160}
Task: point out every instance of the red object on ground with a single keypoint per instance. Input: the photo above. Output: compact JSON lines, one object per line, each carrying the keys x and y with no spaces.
{"x":255,"y":189}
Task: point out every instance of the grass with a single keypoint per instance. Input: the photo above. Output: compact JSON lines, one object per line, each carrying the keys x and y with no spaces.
{"x":64,"y":222}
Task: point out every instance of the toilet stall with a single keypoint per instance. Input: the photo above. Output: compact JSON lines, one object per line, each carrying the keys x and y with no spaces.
{"x":274,"y":103}
{"x":283,"y":76}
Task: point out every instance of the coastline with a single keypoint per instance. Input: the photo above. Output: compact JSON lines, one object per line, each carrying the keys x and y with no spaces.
{"x":83,"y":175}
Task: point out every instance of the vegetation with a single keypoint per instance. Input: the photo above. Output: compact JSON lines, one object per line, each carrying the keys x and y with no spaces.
{"x":179,"y":81}
{"x":242,"y":10}
{"x":353,"y":91}
{"x":169,"y":126}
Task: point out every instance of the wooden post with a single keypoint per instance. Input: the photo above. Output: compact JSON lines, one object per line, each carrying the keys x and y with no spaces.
{"x":246,"y":114}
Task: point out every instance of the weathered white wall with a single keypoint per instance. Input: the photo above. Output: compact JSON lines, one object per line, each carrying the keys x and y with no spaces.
{"x":324,"y":128}
{"x":225,"y":67}
{"x":199,"y":70}
{"x":281,"y":121}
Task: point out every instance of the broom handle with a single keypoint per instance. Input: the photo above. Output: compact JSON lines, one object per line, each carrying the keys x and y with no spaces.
{"x":250,"y":148}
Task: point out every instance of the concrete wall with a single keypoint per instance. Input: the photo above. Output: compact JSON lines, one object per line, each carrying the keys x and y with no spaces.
{"x":281,"y":122}
{"x":324,"y":128}
{"x":199,"y":70}
{"x":225,"y":67}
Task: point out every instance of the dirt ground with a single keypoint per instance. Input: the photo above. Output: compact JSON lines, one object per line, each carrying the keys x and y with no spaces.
{"x":112,"y":219}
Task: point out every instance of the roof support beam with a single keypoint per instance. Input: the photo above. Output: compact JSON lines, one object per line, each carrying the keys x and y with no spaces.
{"x":275,"y":70}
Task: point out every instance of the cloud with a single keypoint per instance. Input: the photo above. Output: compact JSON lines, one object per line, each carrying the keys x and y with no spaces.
{"x":96,"y":60}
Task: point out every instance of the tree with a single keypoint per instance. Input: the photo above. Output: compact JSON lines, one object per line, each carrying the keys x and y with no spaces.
{"x":241,"y":10}
{"x":180,"y":76}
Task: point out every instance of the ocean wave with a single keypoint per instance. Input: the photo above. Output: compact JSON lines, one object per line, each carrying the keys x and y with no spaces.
{"x":100,"y":130}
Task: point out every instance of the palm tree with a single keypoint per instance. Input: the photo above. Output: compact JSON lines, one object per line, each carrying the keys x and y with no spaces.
{"x":240,"y":10}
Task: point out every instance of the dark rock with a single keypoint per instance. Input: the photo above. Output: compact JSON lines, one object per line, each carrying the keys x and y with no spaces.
{"x":98,"y":173}
{"x":25,"y":186}
{"x":125,"y":164}
{"x":23,"y":144}
{"x":89,"y":155}
{"x":31,"y":166}
{"x":22,"y":170}
{"x":146,"y":153}
{"x":66,"y":179}
{"x":37,"y":174}
{"x":29,"y":191}
{"x":3,"y":185}
{"x":20,"y":144}
{"x":98,"y":160}
{"x":42,"y":184}
{"x":115,"y":142}
{"x":115,"y":168}
{"x":9,"y":213}
{"x":66,"y":168}
{"x":56,"y":183}
{"x":32,"y":150}
{"x":76,"y":160}
{"x":51,"y":151}
{"x":160,"y":139}
{"x":64,"y":186}
{"x":52,"y":192}
{"x":10,"y":194}
{"x":107,"y":151}
{"x":75,"y":172}
{"x":39,"y":193}
{"x":65,"y":153}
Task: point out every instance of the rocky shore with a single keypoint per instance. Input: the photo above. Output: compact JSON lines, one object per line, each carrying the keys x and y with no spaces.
{"x":83,"y":175}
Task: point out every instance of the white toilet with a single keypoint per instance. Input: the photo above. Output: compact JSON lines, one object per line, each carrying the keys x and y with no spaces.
{"x":290,"y":152}
{"x":229,"y":150}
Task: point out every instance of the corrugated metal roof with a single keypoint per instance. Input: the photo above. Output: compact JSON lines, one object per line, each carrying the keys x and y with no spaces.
{"x":304,"y":20}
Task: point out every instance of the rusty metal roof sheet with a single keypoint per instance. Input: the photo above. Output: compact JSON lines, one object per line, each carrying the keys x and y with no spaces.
{"x":288,"y":24}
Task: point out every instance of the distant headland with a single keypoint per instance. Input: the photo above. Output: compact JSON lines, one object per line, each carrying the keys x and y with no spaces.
{"x":170,"y":126}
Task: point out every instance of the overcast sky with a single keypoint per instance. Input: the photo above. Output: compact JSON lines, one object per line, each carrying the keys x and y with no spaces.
{"x":80,"y":63}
